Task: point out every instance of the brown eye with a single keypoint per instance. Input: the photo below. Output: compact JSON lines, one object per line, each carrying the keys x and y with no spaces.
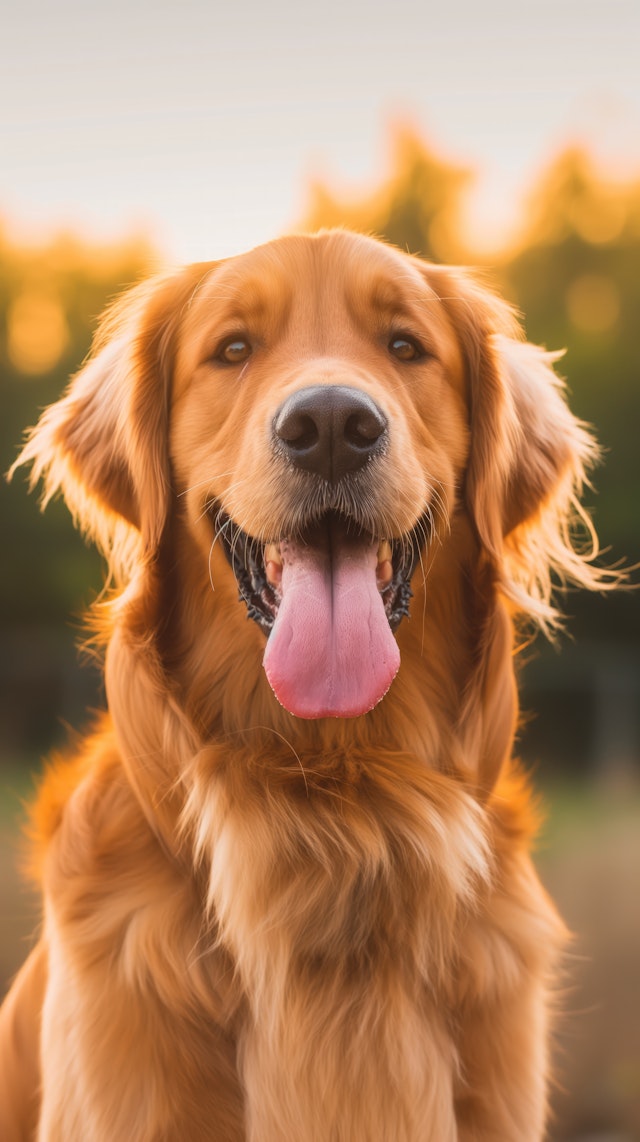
{"x":405,"y":349}
{"x":234,"y":351}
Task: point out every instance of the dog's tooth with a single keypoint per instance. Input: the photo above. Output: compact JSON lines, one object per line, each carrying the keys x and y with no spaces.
{"x":384,"y":570}
{"x":384,"y":574}
{"x":273,"y":564}
{"x":384,"y":551}
{"x":272,"y":554}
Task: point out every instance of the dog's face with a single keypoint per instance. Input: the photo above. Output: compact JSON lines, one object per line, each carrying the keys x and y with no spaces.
{"x":319,"y":430}
{"x":321,"y":410}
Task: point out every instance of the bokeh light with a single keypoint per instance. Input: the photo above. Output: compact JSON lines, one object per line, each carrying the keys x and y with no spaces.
{"x":37,"y":332}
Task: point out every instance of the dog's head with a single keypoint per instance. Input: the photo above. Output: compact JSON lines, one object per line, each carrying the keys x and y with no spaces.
{"x":320,"y":410}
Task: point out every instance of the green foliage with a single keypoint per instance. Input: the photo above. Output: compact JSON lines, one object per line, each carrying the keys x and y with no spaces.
{"x":574,"y":274}
{"x":415,"y":208}
{"x":576,"y":279}
{"x":48,"y":574}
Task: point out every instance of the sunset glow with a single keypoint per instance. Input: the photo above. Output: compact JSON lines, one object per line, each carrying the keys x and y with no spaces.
{"x":201,"y":125}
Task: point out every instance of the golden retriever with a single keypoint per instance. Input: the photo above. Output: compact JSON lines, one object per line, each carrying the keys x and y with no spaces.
{"x":288,"y":895}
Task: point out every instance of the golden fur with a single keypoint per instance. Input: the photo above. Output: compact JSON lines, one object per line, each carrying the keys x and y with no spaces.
{"x":257,"y":926}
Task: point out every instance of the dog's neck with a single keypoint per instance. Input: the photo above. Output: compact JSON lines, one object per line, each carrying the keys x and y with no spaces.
{"x":214,"y":653}
{"x":454,"y":713}
{"x":324,"y":859}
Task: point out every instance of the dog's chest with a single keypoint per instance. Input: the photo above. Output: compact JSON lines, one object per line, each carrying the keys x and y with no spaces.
{"x":343,"y":931}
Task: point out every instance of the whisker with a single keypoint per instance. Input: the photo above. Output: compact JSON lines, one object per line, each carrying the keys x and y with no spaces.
{"x":210,"y":502}
{"x":208,"y":480}
{"x":209,"y":563}
{"x":219,"y":528}
{"x":424,"y":601}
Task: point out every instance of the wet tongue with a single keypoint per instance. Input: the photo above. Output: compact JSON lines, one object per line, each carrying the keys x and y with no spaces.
{"x":331,"y":653}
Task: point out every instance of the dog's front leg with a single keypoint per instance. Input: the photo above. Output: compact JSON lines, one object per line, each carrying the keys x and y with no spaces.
{"x":20,"y":1049}
{"x":508,"y":966}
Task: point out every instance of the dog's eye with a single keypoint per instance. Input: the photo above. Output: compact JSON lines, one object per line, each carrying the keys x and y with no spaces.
{"x":234,"y":351}
{"x":405,"y":348}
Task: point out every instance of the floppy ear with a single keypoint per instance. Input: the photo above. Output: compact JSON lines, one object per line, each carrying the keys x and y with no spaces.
{"x":104,"y":444}
{"x":528,"y":457}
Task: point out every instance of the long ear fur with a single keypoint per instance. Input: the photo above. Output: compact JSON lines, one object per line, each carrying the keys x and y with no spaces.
{"x":103,"y":445}
{"x":529,"y":458}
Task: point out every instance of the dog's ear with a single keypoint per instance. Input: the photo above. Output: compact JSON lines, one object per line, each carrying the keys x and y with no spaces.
{"x":529,"y":456}
{"x":104,"y":444}
{"x":528,"y":451}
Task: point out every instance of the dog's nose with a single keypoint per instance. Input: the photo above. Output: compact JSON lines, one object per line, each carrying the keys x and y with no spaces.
{"x":330,"y":430}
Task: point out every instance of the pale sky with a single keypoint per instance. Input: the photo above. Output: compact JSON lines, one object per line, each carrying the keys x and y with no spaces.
{"x":202,"y":122}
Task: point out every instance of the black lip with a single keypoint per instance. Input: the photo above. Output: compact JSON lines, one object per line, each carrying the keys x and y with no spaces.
{"x":245,"y":556}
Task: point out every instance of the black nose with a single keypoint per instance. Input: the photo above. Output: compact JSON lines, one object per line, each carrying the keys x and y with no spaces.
{"x":330,"y":430}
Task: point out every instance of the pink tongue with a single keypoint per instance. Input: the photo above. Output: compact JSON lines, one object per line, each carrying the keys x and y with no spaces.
{"x":331,"y":653}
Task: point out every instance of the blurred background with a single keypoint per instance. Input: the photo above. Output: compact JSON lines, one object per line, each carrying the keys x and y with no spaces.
{"x":506,"y":139}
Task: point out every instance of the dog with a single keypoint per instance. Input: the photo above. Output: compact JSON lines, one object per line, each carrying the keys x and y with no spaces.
{"x":287,"y":885}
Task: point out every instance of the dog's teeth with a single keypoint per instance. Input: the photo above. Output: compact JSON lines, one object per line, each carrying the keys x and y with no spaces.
{"x":384,"y":551}
{"x":384,"y":570}
{"x":273,"y":564}
{"x":272,"y":553}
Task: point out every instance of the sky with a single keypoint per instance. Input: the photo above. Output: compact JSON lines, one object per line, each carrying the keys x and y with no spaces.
{"x":201,"y":124}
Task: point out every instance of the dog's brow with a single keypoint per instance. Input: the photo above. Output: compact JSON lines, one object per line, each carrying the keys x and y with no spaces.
{"x":246,"y":298}
{"x":393,"y":298}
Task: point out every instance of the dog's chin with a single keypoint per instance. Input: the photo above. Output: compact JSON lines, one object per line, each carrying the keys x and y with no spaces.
{"x":329,"y":599}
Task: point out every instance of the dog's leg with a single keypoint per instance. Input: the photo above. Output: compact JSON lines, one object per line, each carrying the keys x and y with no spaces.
{"x":122,"y":1062}
{"x":510,"y":961}
{"x":506,"y":1072}
{"x":19,"y":1050}
{"x":137,"y":1035}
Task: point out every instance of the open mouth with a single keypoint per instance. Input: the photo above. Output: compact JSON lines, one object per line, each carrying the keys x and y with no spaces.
{"x":328,"y":599}
{"x":258,"y":567}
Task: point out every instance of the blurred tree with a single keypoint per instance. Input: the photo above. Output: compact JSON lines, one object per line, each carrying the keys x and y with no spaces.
{"x":50,"y":298}
{"x":573,"y":274}
{"x":575,"y":278}
{"x":415,"y":208}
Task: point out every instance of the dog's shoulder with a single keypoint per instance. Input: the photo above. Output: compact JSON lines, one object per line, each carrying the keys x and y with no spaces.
{"x":90,"y":842}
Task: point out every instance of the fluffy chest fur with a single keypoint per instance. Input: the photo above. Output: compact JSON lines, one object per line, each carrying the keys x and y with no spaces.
{"x":323,"y":968}
{"x":286,"y":882}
